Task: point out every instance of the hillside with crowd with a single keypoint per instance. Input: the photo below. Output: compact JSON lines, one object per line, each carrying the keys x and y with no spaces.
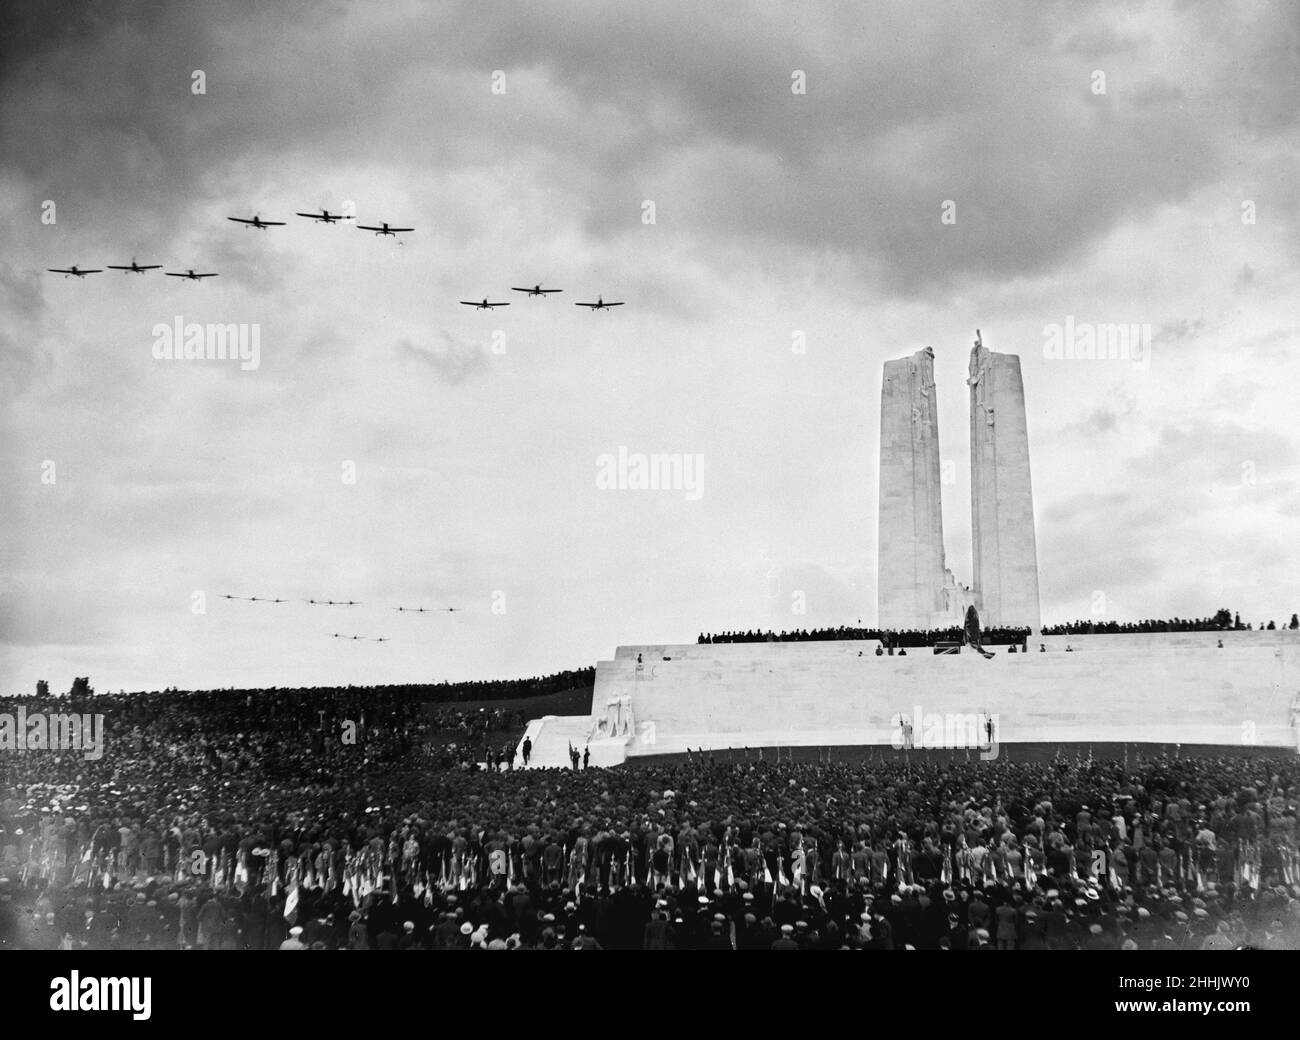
{"x":308,"y":820}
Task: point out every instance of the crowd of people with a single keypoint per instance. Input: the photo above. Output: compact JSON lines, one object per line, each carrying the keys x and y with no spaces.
{"x":1223,"y":621}
{"x":440,"y":693}
{"x":219,"y":821}
{"x":890,"y":638}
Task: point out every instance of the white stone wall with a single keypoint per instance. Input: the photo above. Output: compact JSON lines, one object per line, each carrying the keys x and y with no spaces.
{"x":764,"y":694}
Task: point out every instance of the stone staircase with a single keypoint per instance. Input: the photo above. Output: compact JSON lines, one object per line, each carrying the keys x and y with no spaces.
{"x":551,"y":736}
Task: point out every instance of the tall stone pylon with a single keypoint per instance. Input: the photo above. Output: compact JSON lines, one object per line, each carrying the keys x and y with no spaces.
{"x":910,"y":586}
{"x":1005,"y":549}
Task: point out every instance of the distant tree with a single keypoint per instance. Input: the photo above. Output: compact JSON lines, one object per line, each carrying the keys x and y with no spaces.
{"x":1271,"y":626}
{"x":1237,"y":623}
{"x":1295,"y":621}
{"x":1223,"y":618}
{"x":81,"y":687}
{"x":42,"y":688}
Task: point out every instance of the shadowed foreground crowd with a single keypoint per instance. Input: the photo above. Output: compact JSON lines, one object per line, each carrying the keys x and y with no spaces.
{"x":254,"y":825}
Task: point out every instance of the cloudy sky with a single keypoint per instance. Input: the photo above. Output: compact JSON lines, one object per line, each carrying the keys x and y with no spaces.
{"x":1164,"y":192}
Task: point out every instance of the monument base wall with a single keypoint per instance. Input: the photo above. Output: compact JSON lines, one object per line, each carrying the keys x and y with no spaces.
{"x":654,"y":700}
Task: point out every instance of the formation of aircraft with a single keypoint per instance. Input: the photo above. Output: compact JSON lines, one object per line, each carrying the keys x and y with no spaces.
{"x":190,"y":275}
{"x":324,"y":217}
{"x":134,"y":267}
{"x":257,"y":222}
{"x":74,"y":270}
{"x":338,"y":603}
{"x":343,"y":603}
{"x":385,"y":230}
{"x":537,"y":290}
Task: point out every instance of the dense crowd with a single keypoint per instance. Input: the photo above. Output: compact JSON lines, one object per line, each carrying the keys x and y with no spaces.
{"x":251,"y":822}
{"x":891,"y":638}
{"x":441,"y":693}
{"x":1223,"y":621}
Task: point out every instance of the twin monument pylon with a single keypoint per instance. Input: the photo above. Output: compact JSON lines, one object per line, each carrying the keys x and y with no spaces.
{"x":916,"y":589}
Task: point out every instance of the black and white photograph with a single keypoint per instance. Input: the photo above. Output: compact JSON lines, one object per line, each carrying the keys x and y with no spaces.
{"x":580,"y":475}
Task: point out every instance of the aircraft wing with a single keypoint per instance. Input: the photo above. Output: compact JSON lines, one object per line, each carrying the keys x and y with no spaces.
{"x":176,"y":274}
{"x":401,"y":229}
{"x":312,"y":216}
{"x":619,"y":304}
{"x":368,"y":227}
{"x":239,"y":220}
{"x":214,"y":275}
{"x":145,"y":267}
{"x":471,"y":303}
{"x":589,"y":305}
{"x":57,"y":270}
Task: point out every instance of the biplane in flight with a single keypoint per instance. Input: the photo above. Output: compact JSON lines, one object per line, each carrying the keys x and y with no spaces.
{"x":600,"y":304}
{"x":536,"y":290}
{"x":324,"y":217}
{"x":133,"y":267}
{"x":257,"y":222}
{"x":384,"y":230}
{"x":190,"y":275}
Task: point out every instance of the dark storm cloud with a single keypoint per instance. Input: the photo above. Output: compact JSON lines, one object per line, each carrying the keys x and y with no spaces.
{"x":775,"y":212}
{"x":453,"y":362}
{"x":687,"y":105}
{"x":20,"y":292}
{"x":241,"y":259}
{"x":1194,"y":454}
{"x":21,"y":362}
